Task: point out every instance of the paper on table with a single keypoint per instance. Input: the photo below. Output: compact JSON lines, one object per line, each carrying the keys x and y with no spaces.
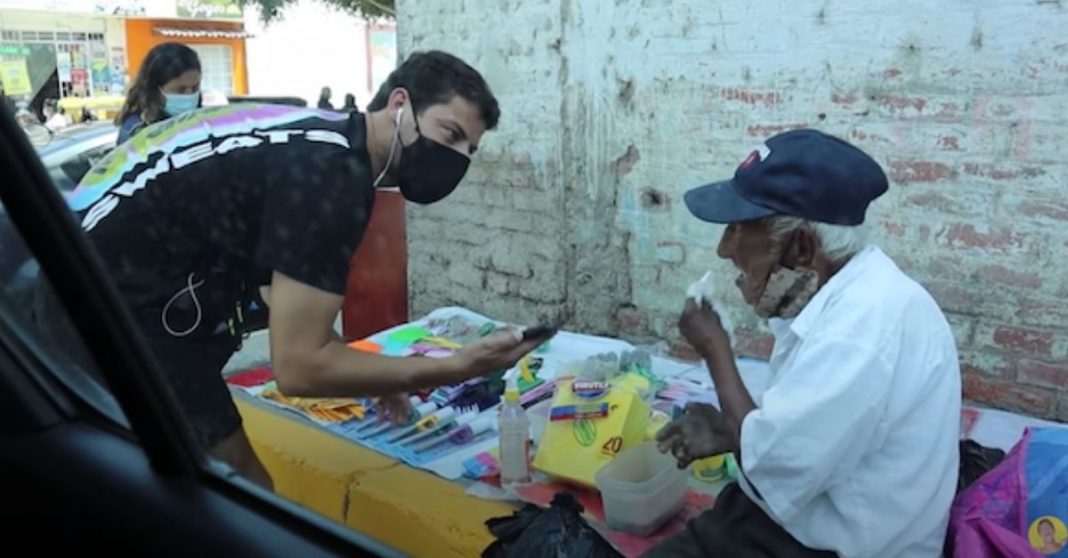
{"x":406,"y":334}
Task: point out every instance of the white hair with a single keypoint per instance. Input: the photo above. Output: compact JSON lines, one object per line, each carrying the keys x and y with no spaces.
{"x":837,"y":242}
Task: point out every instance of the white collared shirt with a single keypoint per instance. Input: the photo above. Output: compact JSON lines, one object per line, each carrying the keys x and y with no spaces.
{"x":854,"y":446}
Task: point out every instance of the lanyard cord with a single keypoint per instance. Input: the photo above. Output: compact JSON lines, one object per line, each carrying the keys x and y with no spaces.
{"x":191,"y":287}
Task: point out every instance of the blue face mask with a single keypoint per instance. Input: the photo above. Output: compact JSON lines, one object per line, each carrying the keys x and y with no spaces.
{"x":178,"y":103}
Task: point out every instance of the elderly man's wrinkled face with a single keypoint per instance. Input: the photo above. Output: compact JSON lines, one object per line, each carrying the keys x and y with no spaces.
{"x":749,"y":245}
{"x":777,"y":277}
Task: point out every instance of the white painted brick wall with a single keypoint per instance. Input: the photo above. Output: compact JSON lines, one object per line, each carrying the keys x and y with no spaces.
{"x":611,"y":110}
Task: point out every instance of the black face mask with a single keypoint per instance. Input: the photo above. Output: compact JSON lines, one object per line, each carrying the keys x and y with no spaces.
{"x":428,"y":171}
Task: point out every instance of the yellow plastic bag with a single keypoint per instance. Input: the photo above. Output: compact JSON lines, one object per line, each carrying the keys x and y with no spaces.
{"x":575,"y":449}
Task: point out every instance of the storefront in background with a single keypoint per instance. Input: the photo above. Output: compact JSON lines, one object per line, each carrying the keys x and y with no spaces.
{"x":67,"y":49}
{"x":48,"y":55}
{"x":219,"y":44}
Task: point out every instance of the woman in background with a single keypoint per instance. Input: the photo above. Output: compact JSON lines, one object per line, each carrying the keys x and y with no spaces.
{"x":167,"y":85}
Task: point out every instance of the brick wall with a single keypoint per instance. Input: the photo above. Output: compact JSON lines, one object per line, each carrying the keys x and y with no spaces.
{"x":610,"y":113}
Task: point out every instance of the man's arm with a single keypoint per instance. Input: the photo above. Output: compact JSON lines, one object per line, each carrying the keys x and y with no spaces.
{"x":700,"y":325}
{"x":265,"y":295}
{"x":310,"y":361}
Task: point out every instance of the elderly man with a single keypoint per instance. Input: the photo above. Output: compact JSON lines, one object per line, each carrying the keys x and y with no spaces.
{"x":852,"y":449}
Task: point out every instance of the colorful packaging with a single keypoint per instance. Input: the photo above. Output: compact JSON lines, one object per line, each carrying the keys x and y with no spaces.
{"x":575,"y":450}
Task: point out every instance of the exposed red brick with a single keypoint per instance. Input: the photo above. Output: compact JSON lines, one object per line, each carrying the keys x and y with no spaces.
{"x":947,"y":112}
{"x":987,"y":363}
{"x":1055,"y":211}
{"x":962,"y":234}
{"x":935,"y":201}
{"x":893,"y":229}
{"x":753,"y":344}
{"x":1006,"y":276}
{"x":1006,"y":395}
{"x":671,"y":252}
{"x":630,"y":319}
{"x":1042,"y":312}
{"x":953,"y":297}
{"x":625,"y":163}
{"x":1042,"y":374}
{"x":768,"y":130}
{"x":1024,"y":340}
{"x":900,"y":102}
{"x":919,"y":171}
{"x":843,"y":98}
{"x":949,"y":268}
{"x":766,"y":98}
{"x":994,"y":172}
{"x":949,"y":143}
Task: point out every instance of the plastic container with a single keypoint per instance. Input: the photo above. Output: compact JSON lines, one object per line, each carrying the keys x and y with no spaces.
{"x":641,"y":489}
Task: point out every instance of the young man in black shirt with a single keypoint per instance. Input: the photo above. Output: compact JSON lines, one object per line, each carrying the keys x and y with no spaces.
{"x":196,"y":213}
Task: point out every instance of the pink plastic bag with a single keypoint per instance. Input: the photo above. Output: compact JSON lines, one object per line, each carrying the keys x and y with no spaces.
{"x":1018,"y":509}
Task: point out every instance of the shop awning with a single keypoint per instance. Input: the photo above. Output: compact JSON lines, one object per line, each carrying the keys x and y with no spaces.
{"x":194,"y":33}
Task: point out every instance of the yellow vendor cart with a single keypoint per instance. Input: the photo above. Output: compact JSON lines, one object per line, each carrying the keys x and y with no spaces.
{"x":100,"y":108}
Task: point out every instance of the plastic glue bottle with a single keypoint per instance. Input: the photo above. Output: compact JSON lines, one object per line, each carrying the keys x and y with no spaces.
{"x":515,"y":436}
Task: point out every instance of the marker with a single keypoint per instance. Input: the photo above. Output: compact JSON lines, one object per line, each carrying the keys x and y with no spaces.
{"x":428,"y":422}
{"x":581,"y":411}
{"x":419,"y":412}
{"x":459,"y":435}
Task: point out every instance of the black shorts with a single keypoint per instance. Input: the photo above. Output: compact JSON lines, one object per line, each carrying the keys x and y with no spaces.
{"x":193,"y":368}
{"x":734,"y":528}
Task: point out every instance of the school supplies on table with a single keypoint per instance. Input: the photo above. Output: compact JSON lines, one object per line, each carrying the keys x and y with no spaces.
{"x":576,"y":449}
{"x":320,"y":409}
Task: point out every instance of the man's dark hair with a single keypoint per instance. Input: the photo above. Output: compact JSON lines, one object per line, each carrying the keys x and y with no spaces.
{"x":432,"y":78}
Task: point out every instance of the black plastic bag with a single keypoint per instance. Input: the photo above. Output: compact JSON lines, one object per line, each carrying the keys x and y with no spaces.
{"x":556,"y":532}
{"x":975,"y":461}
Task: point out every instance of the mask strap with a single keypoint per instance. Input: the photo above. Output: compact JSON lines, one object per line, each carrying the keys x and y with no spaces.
{"x":191,"y":287}
{"x":392,"y":149}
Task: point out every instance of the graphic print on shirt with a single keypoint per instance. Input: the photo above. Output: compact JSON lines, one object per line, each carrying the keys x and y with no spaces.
{"x":181,"y":141}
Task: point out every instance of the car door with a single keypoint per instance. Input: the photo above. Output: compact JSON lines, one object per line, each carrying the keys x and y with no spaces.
{"x":93,"y":448}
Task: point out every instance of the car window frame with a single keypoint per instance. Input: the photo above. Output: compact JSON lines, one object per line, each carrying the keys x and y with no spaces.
{"x":106,"y":327}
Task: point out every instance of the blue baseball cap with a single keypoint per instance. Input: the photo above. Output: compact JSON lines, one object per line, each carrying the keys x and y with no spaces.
{"x":800,"y":173}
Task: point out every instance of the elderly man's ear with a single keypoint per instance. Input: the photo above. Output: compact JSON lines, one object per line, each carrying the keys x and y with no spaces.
{"x":801,"y":247}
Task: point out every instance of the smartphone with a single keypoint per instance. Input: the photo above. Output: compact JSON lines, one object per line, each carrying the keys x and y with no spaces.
{"x":543,"y":331}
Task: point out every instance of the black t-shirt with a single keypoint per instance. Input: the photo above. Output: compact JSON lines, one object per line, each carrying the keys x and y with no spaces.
{"x":221,"y":197}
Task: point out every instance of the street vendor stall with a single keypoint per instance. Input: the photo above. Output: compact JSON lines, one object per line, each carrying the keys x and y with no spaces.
{"x":429,"y":492}
{"x":353,"y":458}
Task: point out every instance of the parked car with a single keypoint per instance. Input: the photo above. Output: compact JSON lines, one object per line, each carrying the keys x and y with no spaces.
{"x":66,"y":156}
{"x":71,"y":152}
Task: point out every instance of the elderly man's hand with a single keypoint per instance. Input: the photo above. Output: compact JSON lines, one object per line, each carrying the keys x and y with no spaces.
{"x":701,"y":327}
{"x":701,"y":432}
